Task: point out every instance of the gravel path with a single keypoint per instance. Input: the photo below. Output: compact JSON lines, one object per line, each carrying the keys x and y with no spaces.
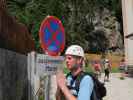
{"x":119,"y":89}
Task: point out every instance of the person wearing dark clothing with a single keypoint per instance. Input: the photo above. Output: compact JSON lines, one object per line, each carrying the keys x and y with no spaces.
{"x":107,"y":69}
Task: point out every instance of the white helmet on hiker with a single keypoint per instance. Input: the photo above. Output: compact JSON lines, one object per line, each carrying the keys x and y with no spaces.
{"x":75,"y":50}
{"x":106,"y":60}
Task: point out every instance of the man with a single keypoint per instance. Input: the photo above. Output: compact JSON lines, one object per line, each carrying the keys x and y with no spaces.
{"x":74,"y":60}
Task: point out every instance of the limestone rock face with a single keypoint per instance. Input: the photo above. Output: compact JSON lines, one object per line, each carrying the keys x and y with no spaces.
{"x":105,"y":21}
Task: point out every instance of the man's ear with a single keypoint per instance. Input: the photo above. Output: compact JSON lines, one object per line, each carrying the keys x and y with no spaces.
{"x":79,"y":60}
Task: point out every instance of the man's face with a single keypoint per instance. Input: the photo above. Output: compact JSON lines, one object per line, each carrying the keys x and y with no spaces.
{"x":71,"y":62}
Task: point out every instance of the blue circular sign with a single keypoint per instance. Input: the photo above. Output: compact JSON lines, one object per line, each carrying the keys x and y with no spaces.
{"x":52,"y":36}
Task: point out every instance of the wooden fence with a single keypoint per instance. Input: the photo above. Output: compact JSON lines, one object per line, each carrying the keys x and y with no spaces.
{"x":13,"y":76}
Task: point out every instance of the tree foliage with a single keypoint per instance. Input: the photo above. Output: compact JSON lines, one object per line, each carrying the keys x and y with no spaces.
{"x":77,"y":17}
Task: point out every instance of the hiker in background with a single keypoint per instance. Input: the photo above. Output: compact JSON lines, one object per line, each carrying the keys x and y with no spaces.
{"x":107,"y":69}
{"x":74,"y":57}
{"x":122,"y":67}
{"x":97,"y":68}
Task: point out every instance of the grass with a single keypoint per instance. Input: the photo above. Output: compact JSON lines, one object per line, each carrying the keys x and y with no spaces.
{"x":41,"y":97}
{"x":114,"y":59}
{"x":90,"y":70}
{"x":115,"y":70}
{"x":66,"y":70}
{"x":122,"y":78}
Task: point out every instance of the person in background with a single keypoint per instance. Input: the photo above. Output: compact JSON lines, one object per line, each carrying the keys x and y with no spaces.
{"x":97,"y":68}
{"x":74,"y":57}
{"x":107,"y":69}
{"x":122,"y":67}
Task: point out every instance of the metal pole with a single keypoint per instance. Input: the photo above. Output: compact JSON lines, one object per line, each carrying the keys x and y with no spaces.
{"x":47,"y":87}
{"x":29,"y":76}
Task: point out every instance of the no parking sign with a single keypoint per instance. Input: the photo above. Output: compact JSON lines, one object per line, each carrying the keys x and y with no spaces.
{"x":52,"y":36}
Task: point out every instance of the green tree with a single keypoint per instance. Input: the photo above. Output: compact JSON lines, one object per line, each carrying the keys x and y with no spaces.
{"x":32,"y":13}
{"x":77,"y":16}
{"x":98,"y":42}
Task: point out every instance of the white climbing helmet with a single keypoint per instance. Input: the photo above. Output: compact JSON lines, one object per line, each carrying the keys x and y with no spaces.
{"x":106,"y":60}
{"x":75,"y":50}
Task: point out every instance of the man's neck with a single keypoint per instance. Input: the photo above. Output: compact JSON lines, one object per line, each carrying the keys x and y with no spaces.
{"x":76,"y":71}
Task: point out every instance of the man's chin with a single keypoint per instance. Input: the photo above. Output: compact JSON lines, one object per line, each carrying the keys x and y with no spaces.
{"x":70,"y":68}
{"x":73,"y":69}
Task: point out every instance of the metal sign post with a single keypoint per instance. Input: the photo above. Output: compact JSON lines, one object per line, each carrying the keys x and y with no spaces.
{"x":40,"y":65}
{"x":48,"y":66}
{"x":47,"y":88}
{"x":33,"y":78}
{"x":52,"y":38}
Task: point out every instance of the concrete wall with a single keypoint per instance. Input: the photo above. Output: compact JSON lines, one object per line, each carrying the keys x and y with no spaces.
{"x":13,"y":76}
{"x":127,"y":11}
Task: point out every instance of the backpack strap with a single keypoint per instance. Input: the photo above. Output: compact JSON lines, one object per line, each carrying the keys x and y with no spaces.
{"x":79,"y":79}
